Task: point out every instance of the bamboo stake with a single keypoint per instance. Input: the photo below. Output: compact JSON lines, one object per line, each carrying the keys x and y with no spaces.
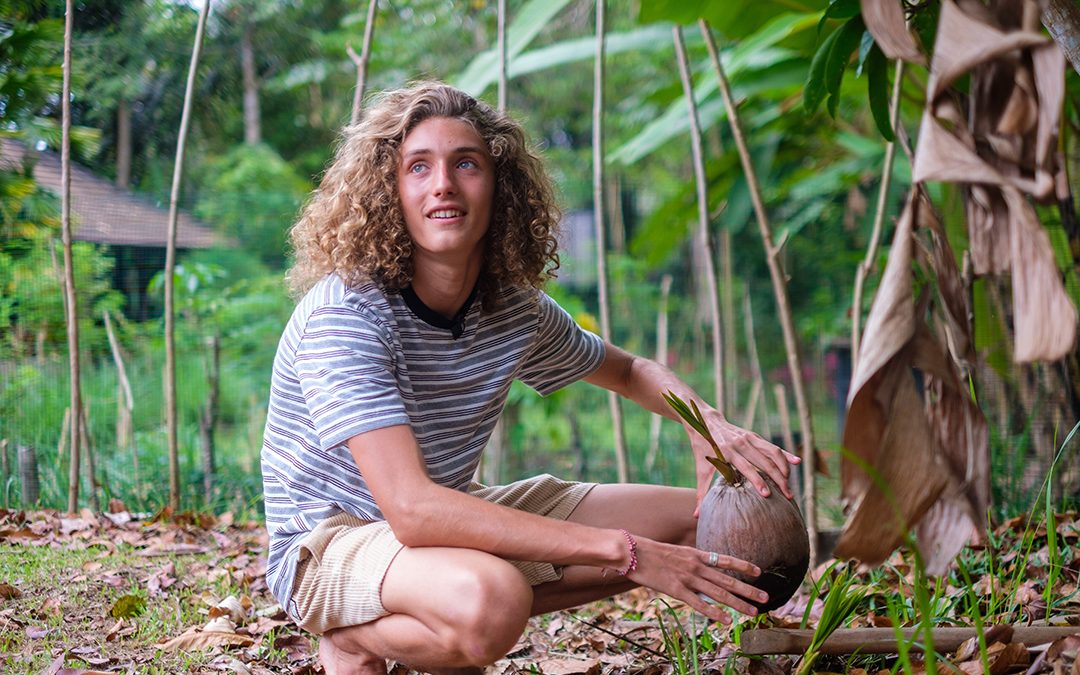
{"x":71,"y":304}
{"x":490,"y":468}
{"x":65,"y":430}
{"x":661,"y":358}
{"x":727,"y":305}
{"x":127,"y":400}
{"x":785,"y":433}
{"x":863,"y":270}
{"x":883,"y":640}
{"x":501,"y":32}
{"x":170,"y":266}
{"x":755,"y":364}
{"x":361,"y":62}
{"x":779,"y":284}
{"x":703,"y":219}
{"x":621,"y":463}
{"x":91,"y":467}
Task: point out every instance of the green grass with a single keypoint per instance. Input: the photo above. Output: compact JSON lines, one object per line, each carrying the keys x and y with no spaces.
{"x":64,"y":596}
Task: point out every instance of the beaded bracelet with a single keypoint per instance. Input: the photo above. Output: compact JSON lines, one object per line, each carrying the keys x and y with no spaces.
{"x":632,"y":565}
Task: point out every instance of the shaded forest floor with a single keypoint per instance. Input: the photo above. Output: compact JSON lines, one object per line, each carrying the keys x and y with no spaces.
{"x":108,"y":593}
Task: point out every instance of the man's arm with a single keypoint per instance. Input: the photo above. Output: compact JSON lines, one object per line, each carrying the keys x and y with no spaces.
{"x":422,"y":513}
{"x":645,"y":381}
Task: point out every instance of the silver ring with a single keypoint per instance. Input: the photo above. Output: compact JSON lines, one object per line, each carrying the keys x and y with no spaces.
{"x":714,"y":559}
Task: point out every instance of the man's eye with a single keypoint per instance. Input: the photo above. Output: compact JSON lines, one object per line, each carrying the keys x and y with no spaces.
{"x":417,"y":168}
{"x":468,"y":164}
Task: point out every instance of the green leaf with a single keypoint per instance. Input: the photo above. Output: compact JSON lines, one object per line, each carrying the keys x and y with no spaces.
{"x":877,"y":89}
{"x":753,"y":54}
{"x":847,"y":40}
{"x":730,"y":19}
{"x":127,"y":606}
{"x":526,"y":25}
{"x":839,"y":9}
{"x":814,"y":91}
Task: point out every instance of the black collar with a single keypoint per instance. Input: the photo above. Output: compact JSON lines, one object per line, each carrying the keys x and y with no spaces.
{"x":455,"y":325}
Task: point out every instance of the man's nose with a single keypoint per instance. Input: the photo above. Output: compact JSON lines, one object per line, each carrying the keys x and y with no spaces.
{"x":443,"y":179}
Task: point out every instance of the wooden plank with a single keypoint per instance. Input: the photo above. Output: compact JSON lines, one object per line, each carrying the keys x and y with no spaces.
{"x":883,"y":640}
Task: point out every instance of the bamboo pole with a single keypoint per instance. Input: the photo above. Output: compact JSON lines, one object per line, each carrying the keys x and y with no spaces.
{"x":361,"y":62}
{"x":782,"y":412}
{"x":755,"y":368}
{"x":621,"y":463}
{"x":727,"y":308}
{"x":661,"y":358}
{"x":703,"y":219}
{"x":779,"y":283}
{"x":170,"y":267}
{"x":501,"y":38}
{"x":126,"y":404}
{"x":71,"y":303}
{"x":91,"y":467}
{"x":863,"y":270}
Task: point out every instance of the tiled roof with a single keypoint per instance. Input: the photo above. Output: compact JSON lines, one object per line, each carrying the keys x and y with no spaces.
{"x":103,"y":213}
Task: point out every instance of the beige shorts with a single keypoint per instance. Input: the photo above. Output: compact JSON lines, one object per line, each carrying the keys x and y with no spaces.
{"x":344,"y":559}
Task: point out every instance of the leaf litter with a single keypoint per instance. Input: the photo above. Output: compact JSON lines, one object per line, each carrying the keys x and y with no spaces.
{"x":60,"y":625}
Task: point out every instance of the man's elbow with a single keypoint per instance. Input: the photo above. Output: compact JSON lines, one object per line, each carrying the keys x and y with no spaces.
{"x":411,"y":521}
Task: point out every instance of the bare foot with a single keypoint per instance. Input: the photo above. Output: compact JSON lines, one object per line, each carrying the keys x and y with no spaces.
{"x":338,"y":661}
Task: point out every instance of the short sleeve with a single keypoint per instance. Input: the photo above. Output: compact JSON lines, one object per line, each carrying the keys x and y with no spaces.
{"x":563,"y":351}
{"x":346,"y":367}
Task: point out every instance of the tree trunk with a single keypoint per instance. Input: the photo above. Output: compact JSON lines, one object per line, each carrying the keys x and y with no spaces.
{"x":170,"y":267}
{"x":28,"y":475}
{"x":621,"y":463}
{"x":123,"y":143}
{"x":252,"y":116}
{"x":703,"y":244}
{"x":1062,"y":19}
{"x":71,"y":304}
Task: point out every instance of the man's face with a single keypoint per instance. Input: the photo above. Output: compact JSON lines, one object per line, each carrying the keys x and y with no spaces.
{"x":446,"y":183}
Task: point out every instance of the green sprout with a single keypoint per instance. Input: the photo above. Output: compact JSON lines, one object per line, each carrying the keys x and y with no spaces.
{"x":692,"y":415}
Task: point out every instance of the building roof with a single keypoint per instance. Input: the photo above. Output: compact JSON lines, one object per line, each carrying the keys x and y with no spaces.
{"x":103,"y":213}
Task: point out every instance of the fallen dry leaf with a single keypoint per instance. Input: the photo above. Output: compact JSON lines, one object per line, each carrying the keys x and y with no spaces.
{"x":196,"y":639}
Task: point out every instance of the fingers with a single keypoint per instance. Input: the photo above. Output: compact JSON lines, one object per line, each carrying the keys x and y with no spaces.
{"x":713,"y":587}
{"x":750,"y":453}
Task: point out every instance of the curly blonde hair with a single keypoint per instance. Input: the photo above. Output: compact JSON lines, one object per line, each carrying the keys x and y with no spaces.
{"x":353,"y":223}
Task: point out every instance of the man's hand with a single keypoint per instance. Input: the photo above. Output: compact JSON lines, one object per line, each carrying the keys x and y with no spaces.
{"x":747,"y":451}
{"x":684,"y":573}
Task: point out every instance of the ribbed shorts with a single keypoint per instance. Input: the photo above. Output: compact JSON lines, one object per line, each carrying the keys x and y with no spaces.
{"x":344,"y":559}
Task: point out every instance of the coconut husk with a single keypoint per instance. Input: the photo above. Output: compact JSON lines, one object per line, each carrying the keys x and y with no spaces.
{"x":768,"y":531}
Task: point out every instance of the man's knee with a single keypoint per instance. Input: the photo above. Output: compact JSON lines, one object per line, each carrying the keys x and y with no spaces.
{"x":490,"y":609}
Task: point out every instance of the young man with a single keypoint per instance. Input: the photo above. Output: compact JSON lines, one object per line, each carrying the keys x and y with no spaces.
{"x":421,"y":257}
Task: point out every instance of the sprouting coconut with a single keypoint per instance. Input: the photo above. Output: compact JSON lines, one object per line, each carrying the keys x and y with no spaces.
{"x":736,"y":520}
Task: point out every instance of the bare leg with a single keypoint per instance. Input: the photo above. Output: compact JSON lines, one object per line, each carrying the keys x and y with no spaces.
{"x":654,"y":511}
{"x":453,"y":610}
{"x":449,"y":609}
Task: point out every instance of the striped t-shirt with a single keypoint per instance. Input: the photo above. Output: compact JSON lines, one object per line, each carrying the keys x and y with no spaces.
{"x":353,"y":360}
